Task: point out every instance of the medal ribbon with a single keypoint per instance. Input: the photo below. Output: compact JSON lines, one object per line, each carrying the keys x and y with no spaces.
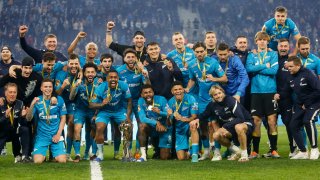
{"x":11,"y":116}
{"x":203,"y":69}
{"x":91,"y":93}
{"x":47,"y":110}
{"x":263,"y":57}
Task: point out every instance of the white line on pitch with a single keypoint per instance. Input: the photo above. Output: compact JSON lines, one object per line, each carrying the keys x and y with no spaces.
{"x":96,"y":173}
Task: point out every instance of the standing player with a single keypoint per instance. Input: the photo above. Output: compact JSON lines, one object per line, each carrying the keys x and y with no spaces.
{"x":306,"y":86}
{"x":6,"y":61}
{"x":106,"y":64}
{"x":285,"y":102}
{"x":184,"y":109}
{"x":210,"y":41}
{"x":82,"y":94}
{"x":48,"y":69}
{"x":161,"y":71}
{"x":263,"y":66}
{"x":236,"y":73}
{"x":135,"y":78}
{"x":91,"y":50}
{"x":50,"y":42}
{"x":51,"y":119}
{"x":206,"y":72}
{"x":309,"y":60}
{"x":64,"y":81}
{"x":280,"y":27}
{"x":241,"y":48}
{"x":138,"y":43}
{"x":109,"y":99}
{"x":182,"y":56}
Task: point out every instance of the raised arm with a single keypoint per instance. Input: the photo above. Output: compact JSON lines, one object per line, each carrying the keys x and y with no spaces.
{"x":29,"y":115}
{"x":75,"y":42}
{"x":110,"y":26}
{"x":34,"y":53}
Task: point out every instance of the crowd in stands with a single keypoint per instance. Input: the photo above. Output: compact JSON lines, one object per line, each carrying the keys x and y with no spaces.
{"x":158,"y":19}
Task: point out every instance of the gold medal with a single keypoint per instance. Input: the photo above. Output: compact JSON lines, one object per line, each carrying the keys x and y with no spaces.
{"x":89,"y":96}
{"x":204,"y":76}
{"x":203,"y":71}
{"x":136,"y":69}
{"x":176,"y":113}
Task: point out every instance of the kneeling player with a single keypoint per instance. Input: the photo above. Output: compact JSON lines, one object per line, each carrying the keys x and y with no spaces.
{"x":153,"y":115}
{"x":51,"y":119}
{"x":234,"y":120}
{"x":184,"y":109}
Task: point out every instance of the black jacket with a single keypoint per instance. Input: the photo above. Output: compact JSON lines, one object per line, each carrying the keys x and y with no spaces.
{"x":161,"y":77}
{"x":227,"y":110}
{"x":306,"y":85}
{"x":242,"y":54}
{"x":28,"y":88}
{"x":5,"y":124}
{"x":37,"y":54}
{"x":119,"y":48}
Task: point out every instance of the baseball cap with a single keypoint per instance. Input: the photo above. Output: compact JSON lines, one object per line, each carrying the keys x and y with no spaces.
{"x":27,"y":61}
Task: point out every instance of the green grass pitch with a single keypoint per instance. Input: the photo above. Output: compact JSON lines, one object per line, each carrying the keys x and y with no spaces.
{"x":282,"y":168}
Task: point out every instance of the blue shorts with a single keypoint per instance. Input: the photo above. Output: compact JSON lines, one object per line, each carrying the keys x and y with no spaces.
{"x":81,"y":116}
{"x":71,"y":107}
{"x":106,"y":117}
{"x":165,"y":138}
{"x":182,"y":137}
{"x":41,"y":147}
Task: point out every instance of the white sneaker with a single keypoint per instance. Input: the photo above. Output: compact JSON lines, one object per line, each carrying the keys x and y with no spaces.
{"x":203,"y":157}
{"x":314,"y":153}
{"x":234,"y":149}
{"x":69,"y":158}
{"x":233,"y":157}
{"x":293,"y":153}
{"x":216,"y":157}
{"x":17,"y":159}
{"x":301,"y":155}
